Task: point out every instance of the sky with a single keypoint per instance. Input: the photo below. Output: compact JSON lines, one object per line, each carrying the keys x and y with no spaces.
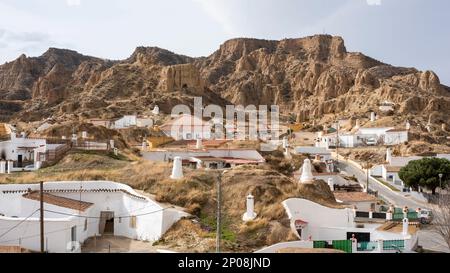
{"x":411,"y":33}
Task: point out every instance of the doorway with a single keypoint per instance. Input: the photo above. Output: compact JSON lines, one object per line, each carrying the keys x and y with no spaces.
{"x":360,"y":236}
{"x":106,"y":223}
{"x":19,"y":161}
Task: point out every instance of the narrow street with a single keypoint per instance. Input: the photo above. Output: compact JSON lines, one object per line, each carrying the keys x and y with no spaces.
{"x":390,"y":196}
{"x":428,"y":239}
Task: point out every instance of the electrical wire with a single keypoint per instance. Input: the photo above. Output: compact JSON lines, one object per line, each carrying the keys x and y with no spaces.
{"x":21,"y":222}
{"x":96,"y":217}
{"x":65,"y":229}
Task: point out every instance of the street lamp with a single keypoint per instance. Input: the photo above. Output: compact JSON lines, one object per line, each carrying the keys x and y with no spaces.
{"x":440,"y":181}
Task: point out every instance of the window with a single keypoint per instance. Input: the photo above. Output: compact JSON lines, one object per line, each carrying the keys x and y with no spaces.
{"x":85,"y":224}
{"x":133,"y":222}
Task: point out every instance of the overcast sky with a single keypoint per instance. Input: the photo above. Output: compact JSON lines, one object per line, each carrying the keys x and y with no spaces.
{"x":400,"y":32}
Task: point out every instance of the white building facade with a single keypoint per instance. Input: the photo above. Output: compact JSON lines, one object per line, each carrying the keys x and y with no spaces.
{"x":76,"y":211}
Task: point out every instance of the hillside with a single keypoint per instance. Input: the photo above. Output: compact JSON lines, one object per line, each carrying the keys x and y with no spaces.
{"x":312,"y":78}
{"x":196,"y":192}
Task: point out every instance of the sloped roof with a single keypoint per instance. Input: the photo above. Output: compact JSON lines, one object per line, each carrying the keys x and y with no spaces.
{"x":59,"y":201}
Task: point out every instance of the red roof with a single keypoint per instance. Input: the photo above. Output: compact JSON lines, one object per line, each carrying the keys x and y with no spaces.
{"x":59,"y":201}
{"x":300,"y":222}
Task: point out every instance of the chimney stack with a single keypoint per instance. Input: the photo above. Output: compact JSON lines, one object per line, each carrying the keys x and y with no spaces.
{"x":250,"y":215}
{"x":177,"y":170}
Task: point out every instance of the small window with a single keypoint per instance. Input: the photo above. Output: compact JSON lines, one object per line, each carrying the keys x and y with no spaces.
{"x":85,"y":224}
{"x":133,"y":222}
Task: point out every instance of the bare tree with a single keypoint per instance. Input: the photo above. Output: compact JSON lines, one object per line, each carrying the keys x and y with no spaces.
{"x":441,"y":221}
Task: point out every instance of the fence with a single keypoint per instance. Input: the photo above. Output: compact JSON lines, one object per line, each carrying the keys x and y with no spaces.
{"x":367,"y":246}
{"x":394,"y":245}
{"x":362,"y":214}
{"x":379,"y":215}
{"x":344,"y":245}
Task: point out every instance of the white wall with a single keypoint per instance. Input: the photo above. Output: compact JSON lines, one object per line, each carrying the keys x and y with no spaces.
{"x":377,"y":170}
{"x":277,"y":247}
{"x":151,"y":220}
{"x":125,"y":122}
{"x":375,"y":131}
{"x":323,"y":223}
{"x":395,"y":138}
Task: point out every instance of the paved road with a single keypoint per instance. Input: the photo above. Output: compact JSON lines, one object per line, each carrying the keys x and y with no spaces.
{"x":392,"y":197}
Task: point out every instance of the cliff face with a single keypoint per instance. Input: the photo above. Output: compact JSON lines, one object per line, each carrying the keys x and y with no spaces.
{"x":310,"y":77}
{"x":316,"y":76}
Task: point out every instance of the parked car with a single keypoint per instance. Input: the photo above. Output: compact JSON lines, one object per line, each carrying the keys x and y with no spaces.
{"x":425,"y":216}
{"x":29,"y":168}
{"x":371,"y":142}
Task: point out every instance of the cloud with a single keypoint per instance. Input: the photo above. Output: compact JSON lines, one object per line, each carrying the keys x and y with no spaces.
{"x":14,"y":43}
{"x":373,"y":2}
{"x":218,"y":10}
{"x":73,"y":3}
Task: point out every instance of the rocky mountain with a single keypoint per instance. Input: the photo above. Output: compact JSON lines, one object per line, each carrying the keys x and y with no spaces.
{"x":311,"y":78}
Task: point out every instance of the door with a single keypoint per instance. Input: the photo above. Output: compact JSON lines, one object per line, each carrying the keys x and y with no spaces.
{"x":73,"y":234}
{"x":360,"y":236}
{"x":106,"y":225}
{"x":19,"y":161}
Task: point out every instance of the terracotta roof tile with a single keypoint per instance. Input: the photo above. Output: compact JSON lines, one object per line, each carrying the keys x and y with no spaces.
{"x":59,"y":201}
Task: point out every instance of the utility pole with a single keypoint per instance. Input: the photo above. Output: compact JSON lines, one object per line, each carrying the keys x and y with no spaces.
{"x":41,"y":193}
{"x":337,"y":142}
{"x":367,"y":181}
{"x":218,"y":228}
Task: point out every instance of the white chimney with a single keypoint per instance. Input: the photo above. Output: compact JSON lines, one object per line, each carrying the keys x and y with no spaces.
{"x":10,"y":166}
{"x":331,"y":183}
{"x":37,"y":165}
{"x":2,"y":166}
{"x":144,"y":145}
{"x":408,"y":125}
{"x":84,"y":134}
{"x":199,"y":144}
{"x":111,"y":143}
{"x":23,"y":135}
{"x":250,"y":214}
{"x":306,"y":172}
{"x":63,"y":137}
{"x":177,"y":170}
{"x":405,"y":227}
{"x":358,"y":125}
{"x":372,"y":117}
{"x":388,"y":155}
{"x":156,"y":110}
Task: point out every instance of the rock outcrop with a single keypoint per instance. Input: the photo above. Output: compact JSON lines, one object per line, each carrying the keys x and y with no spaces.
{"x":312,"y":77}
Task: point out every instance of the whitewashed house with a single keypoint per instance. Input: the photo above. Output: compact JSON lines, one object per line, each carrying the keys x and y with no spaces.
{"x":314,"y":152}
{"x":21,"y":151}
{"x":125,"y":122}
{"x":76,"y":211}
{"x":312,"y":221}
{"x":187,"y":127}
{"x":363,"y":137}
{"x":144,"y":122}
{"x":210,"y":158}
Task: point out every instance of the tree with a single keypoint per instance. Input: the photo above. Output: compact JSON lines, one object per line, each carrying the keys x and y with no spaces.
{"x":441,"y":222}
{"x":425,"y":173}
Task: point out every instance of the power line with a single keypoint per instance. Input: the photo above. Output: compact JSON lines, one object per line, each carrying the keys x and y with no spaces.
{"x":21,"y":222}
{"x":96,"y":217}
{"x":67,"y":214}
{"x":50,"y":232}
